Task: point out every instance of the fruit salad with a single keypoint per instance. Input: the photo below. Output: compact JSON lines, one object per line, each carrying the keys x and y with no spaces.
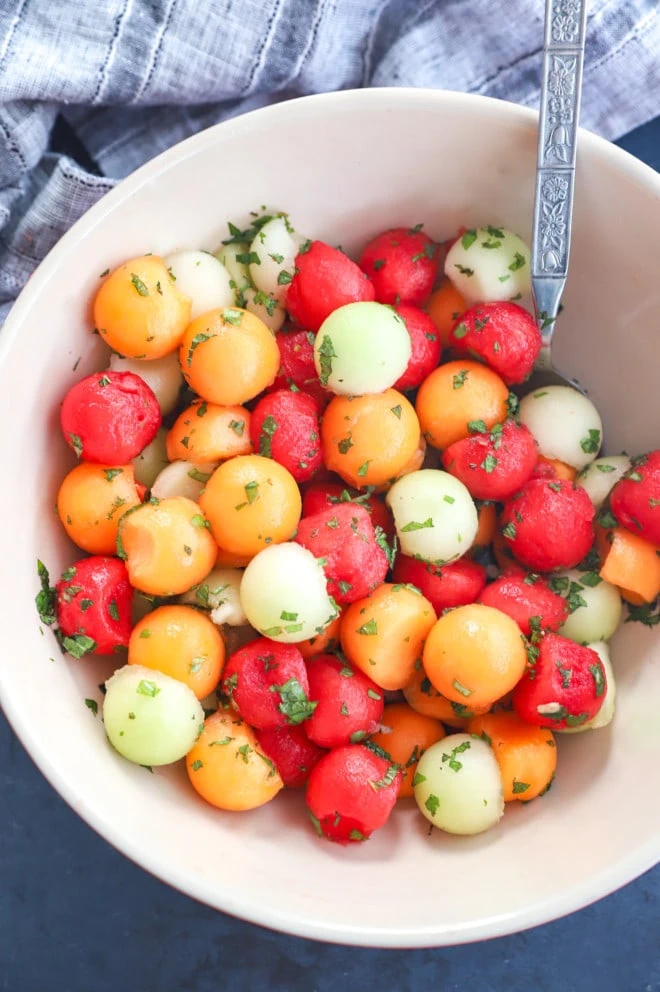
{"x":327,"y":538}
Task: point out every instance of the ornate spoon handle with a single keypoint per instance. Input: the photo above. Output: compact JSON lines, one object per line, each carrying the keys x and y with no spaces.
{"x":561,"y":85}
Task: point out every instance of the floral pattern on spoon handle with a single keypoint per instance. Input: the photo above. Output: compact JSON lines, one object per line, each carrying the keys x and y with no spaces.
{"x":561,"y":84}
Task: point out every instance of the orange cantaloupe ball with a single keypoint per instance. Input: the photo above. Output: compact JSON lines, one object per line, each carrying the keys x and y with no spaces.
{"x":138,"y":310}
{"x":417,"y":460}
{"x":405,"y":735}
{"x":455,"y":394}
{"x":474,"y":655}
{"x":228,"y":559}
{"x":228,"y":356}
{"x":421,"y":695}
{"x":501,"y":549}
{"x":90,"y":502}
{"x":444,"y":308}
{"x":632,"y":563}
{"x":527,"y":755}
{"x":324,"y":643}
{"x":181,"y":642}
{"x":370,"y":440}
{"x":167,"y":546}
{"x":383,"y":633}
{"x":413,"y":465}
{"x":227,"y":767}
{"x":205,"y":432}
{"x":487,"y":522}
{"x":251,"y":502}
{"x":561,"y":469}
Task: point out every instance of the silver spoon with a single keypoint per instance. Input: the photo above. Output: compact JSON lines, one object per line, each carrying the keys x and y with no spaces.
{"x":561,"y":86}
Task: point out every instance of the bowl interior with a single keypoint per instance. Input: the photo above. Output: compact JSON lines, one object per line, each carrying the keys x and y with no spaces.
{"x":345,"y":166}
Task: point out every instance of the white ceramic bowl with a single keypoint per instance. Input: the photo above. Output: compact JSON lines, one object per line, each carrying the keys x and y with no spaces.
{"x":346,"y":166}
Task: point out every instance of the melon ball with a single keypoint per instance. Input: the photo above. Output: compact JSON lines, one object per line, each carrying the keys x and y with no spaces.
{"x":361,"y":348}
{"x":596,"y":606}
{"x":601,"y":476}
{"x":565,"y":424}
{"x":150,"y":718}
{"x":458,"y":786}
{"x":151,"y":461}
{"x":434,"y":514}
{"x":605,"y":714}
{"x":489,"y":264}
{"x":162,"y":375}
{"x":272,"y":256}
{"x":284,"y":594}
{"x":181,"y":478}
{"x":220,"y":592}
{"x":203,"y":278}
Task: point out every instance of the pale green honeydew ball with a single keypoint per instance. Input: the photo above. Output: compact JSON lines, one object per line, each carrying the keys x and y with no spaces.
{"x":264,"y":306}
{"x":605,"y":714}
{"x":458,"y":786}
{"x":182,"y":478}
{"x":597,"y":603}
{"x":151,"y":461}
{"x":284,"y":594}
{"x":150,"y":718}
{"x":434,"y":514}
{"x":565,"y":424}
{"x":233,"y":256}
{"x":488,"y":264}
{"x":272,"y":256}
{"x":219,"y":593}
{"x":203,"y":278}
{"x":162,"y":375}
{"x":601,"y":476}
{"x":361,"y":348}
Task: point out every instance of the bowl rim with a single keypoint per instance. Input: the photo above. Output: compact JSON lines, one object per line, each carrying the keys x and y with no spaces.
{"x":634,"y":864}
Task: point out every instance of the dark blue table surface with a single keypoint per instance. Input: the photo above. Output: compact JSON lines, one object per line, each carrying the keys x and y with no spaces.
{"x":76,"y":916}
